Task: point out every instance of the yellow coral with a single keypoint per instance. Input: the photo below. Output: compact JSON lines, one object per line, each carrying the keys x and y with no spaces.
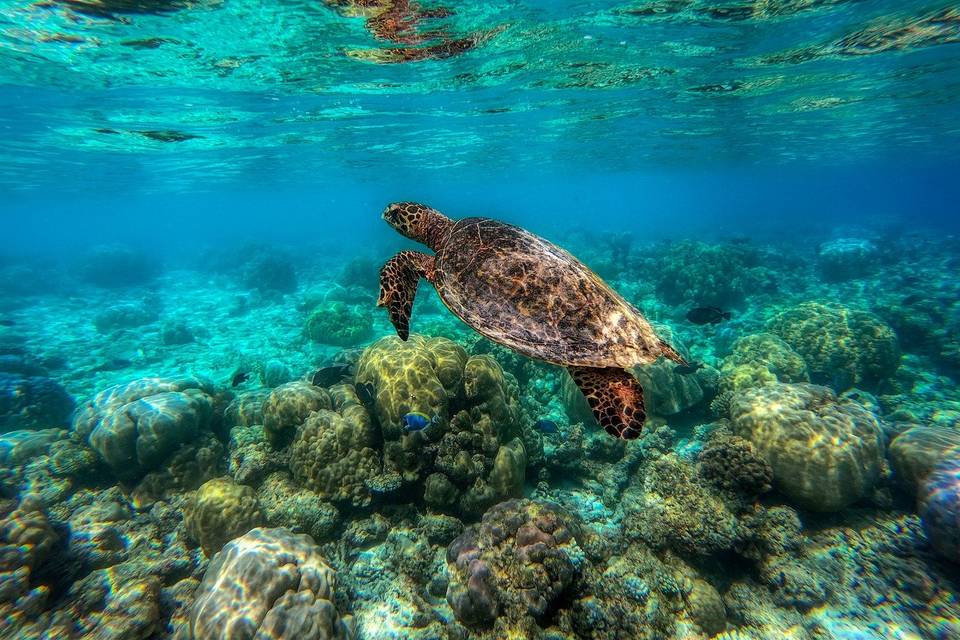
{"x":288,"y":406}
{"x":219,"y":511}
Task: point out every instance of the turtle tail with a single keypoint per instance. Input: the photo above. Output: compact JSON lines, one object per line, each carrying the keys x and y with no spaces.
{"x":399,"y":278}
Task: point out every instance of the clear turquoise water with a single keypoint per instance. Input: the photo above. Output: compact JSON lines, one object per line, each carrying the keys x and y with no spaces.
{"x":192,"y":190}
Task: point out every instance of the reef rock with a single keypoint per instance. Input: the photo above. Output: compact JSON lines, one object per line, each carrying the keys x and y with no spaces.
{"x":825,"y":452}
{"x":916,"y":452}
{"x":269,"y":583}
{"x":136,"y":426}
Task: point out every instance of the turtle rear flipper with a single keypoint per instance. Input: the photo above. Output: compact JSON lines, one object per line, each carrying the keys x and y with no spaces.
{"x":615,"y":397}
{"x":398,"y":286}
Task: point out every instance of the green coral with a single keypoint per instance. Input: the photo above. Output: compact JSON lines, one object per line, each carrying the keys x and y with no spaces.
{"x":340,"y":324}
{"x":842,"y":347}
{"x":220,"y":511}
{"x":825,"y":452}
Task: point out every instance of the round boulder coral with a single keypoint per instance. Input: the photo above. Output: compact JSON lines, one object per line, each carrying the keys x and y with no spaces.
{"x":288,"y":406}
{"x":760,"y":359}
{"x":825,"y":452}
{"x":220,"y":511}
{"x":472,"y":455}
{"x":339,"y":324}
{"x":32,"y":402}
{"x":731,"y":464}
{"x":134,"y":427}
{"x":841,"y":347}
{"x":918,"y":450}
{"x":940,"y":507}
{"x":335,"y":453}
{"x":269,"y":583}
{"x":846,"y":258}
{"x":518,"y":562}
{"x":709,"y":275}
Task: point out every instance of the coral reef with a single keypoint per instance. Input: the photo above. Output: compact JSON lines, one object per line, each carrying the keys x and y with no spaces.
{"x":32,"y":402}
{"x":516,"y":563}
{"x":760,"y":359}
{"x":842,"y":347}
{"x":268,"y":583}
{"x":340,"y":324}
{"x":939,"y":506}
{"x":915,"y":453}
{"x":335,"y":453}
{"x":288,"y":406}
{"x":135,"y":426}
{"x":847,"y":258}
{"x":114,"y":266}
{"x":825,"y":452}
{"x":709,"y":275}
{"x":475,"y":455}
{"x":219,"y":511}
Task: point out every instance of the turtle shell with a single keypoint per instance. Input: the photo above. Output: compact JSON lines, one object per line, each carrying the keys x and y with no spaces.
{"x":528,"y":294}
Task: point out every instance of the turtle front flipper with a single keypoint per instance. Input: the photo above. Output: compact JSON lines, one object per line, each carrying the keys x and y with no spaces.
{"x":398,"y":286}
{"x":615,"y":397}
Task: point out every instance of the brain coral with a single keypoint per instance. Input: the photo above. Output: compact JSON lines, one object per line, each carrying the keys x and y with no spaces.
{"x":518,"y":562}
{"x":841,"y":347}
{"x":288,"y":406}
{"x":825,"y":452}
{"x":474,"y":455}
{"x":336,"y":452}
{"x":269,"y":583}
{"x":135,"y":426}
{"x":220,"y":511}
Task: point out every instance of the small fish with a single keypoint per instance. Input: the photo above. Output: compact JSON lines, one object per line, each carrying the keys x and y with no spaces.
{"x":546,"y":426}
{"x":6,"y":323}
{"x":687,"y":369}
{"x":367,"y":394}
{"x":418,"y":422}
{"x":329,"y":376}
{"x":707,"y":315}
{"x":240,"y":378}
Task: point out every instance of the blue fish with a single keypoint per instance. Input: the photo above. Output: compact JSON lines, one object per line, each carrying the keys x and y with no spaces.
{"x":418,"y":422}
{"x":547,"y":426}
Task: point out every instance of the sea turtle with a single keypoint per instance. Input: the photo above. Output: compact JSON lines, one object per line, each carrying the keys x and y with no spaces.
{"x":530,"y":295}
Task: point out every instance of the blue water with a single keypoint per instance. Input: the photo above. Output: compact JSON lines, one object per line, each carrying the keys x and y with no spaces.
{"x":198,"y":387}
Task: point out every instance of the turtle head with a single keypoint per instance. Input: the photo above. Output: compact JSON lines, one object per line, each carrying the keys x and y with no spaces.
{"x":417,"y":222}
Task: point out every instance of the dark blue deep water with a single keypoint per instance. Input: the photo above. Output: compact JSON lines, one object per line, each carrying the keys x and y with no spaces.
{"x":210,"y":429}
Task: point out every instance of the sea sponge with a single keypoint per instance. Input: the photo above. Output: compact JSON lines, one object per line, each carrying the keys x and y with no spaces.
{"x":939,"y":504}
{"x":269,"y":583}
{"x":335,"y":453}
{"x":842,"y":347}
{"x":918,"y":450}
{"x":825,"y":452}
{"x":846,"y":258}
{"x":760,"y":359}
{"x":518,"y":563}
{"x":288,"y":406}
{"x":32,"y":402}
{"x":135,"y":426}
{"x":219,"y":511}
